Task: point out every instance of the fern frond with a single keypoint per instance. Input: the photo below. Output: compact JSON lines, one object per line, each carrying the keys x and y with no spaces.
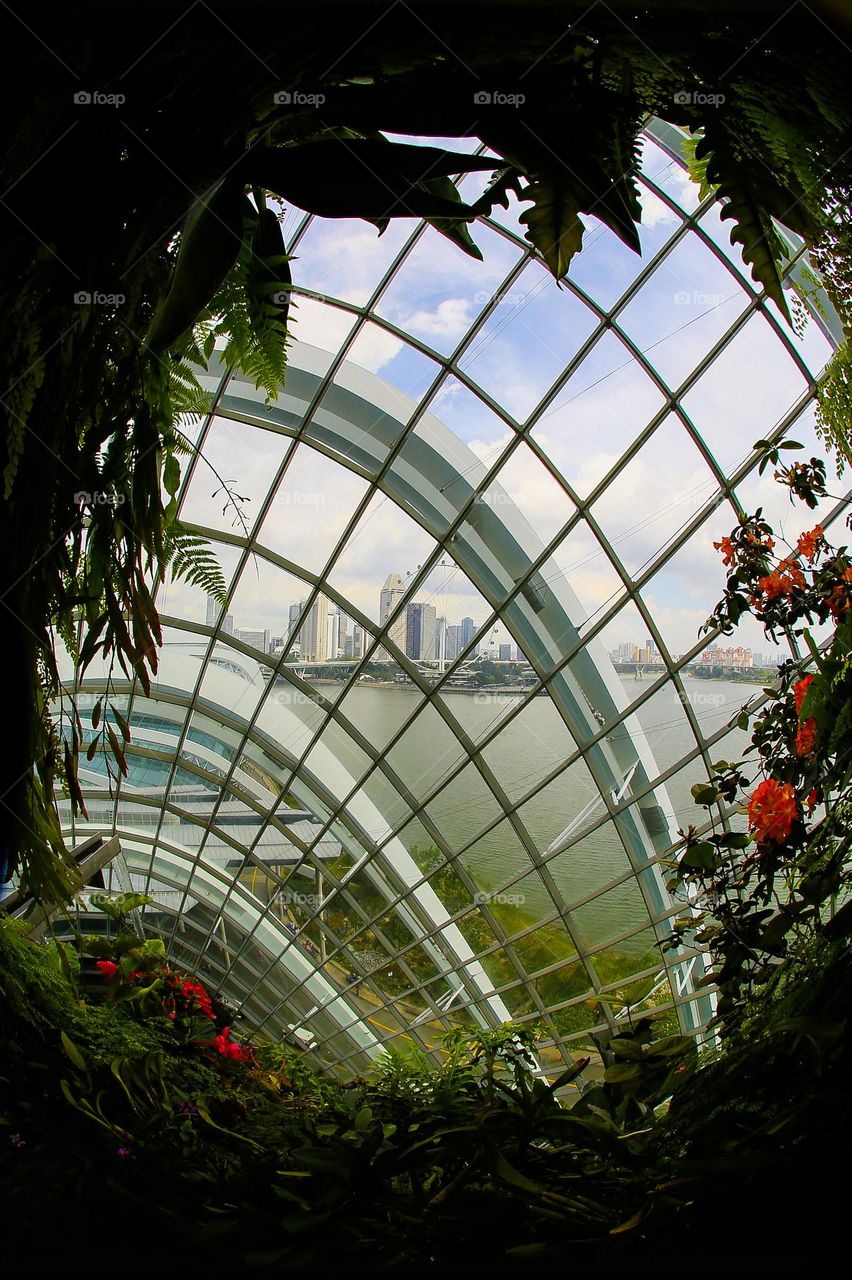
{"x":192,"y":560}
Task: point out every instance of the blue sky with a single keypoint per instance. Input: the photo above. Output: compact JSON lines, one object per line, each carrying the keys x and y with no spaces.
{"x":533,"y":335}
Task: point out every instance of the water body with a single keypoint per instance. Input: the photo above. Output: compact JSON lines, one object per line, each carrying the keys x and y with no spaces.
{"x":527,"y":751}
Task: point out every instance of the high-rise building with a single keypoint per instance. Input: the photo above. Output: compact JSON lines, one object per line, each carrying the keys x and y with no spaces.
{"x":333,"y":642}
{"x":504,"y":653}
{"x":468,"y":631}
{"x":453,"y":641}
{"x":214,"y":615}
{"x":313,"y":635}
{"x":441,"y":640}
{"x":293,"y":616}
{"x":255,"y":637}
{"x":390,"y":596}
{"x":359,"y":641}
{"x":420,"y":625}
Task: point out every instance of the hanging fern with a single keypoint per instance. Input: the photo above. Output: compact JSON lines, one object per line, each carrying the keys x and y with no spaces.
{"x":252,"y":319}
{"x":834,"y":408}
{"x":190,"y":558}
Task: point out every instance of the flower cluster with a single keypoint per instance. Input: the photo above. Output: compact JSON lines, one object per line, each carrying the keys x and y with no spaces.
{"x":180,"y":996}
{"x":772,"y":810}
{"x":185,"y":997}
{"x":229,"y":1048}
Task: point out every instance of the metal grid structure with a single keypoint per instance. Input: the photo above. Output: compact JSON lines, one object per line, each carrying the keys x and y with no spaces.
{"x":352,"y":878}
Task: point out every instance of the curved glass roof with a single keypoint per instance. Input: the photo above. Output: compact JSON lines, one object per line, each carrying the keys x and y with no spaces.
{"x":352,"y":838}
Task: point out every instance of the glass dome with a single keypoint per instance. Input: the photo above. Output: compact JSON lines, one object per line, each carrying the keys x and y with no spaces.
{"x":429,"y":767}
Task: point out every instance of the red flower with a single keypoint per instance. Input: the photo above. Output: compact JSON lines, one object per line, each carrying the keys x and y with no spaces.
{"x":812,"y":800}
{"x":808,"y":543}
{"x":772,"y":811}
{"x":806,"y":737}
{"x":727,"y":549}
{"x":229,"y":1049}
{"x":108,"y":968}
{"x":800,"y":688}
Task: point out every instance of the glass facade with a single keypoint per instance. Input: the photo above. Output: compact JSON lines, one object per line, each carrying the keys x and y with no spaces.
{"x":361,"y":833}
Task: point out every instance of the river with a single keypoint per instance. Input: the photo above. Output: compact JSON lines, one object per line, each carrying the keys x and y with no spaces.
{"x":529,"y":748}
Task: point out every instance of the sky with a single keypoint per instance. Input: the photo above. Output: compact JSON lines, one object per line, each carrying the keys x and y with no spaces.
{"x":535,"y":334}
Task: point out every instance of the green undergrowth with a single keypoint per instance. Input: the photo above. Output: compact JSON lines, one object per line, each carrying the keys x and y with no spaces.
{"x":112,"y":1125}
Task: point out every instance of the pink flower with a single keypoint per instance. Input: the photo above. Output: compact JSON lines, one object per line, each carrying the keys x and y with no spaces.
{"x":108,"y":968}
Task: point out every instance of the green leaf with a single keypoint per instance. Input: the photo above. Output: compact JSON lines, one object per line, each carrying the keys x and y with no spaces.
{"x":73,"y":1052}
{"x":209,"y":245}
{"x":671,"y":1047}
{"x":553,"y":223}
{"x":624,"y":1048}
{"x":700,"y":857}
{"x":362,"y":178}
{"x":363,"y":1120}
{"x":171,"y":474}
{"x":455,"y":231}
{"x":623,"y":1073}
{"x":741,"y":185}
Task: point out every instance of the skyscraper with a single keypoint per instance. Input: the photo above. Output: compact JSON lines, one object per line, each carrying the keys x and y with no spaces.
{"x":314,"y":632}
{"x":441,"y":640}
{"x":391,"y":594}
{"x":468,"y":631}
{"x":334,"y":620}
{"x":453,"y":641}
{"x":214,"y":615}
{"x":259,"y":639}
{"x":420,"y":625}
{"x":293,"y":617}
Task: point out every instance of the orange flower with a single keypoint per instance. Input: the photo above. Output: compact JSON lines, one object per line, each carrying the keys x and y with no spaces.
{"x":767,"y":542}
{"x":800,"y":688}
{"x":772,"y":811}
{"x":727,"y":549}
{"x":807,"y":545}
{"x":838,"y":601}
{"x":806,"y":737}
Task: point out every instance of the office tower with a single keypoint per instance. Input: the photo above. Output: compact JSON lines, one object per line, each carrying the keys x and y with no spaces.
{"x":390,"y":596}
{"x":214,"y":611}
{"x":255,"y":637}
{"x":468,"y":631}
{"x":504,"y":653}
{"x":314,"y":632}
{"x":293,"y":617}
{"x":227,"y":627}
{"x":453,"y":641}
{"x":420,"y":625}
{"x":359,"y":641}
{"x":441,"y":640}
{"x":333,"y":642}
